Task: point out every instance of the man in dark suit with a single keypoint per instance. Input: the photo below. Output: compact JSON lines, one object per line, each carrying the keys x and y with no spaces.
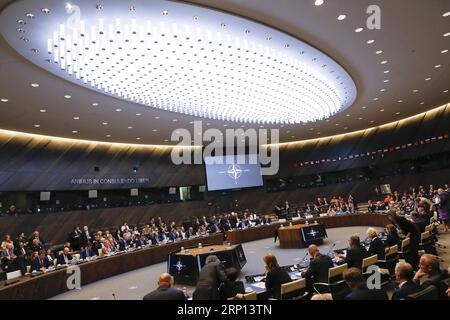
{"x":376,"y":245}
{"x":41,"y":262}
{"x":124,"y":243}
{"x":232,"y":287}
{"x":318,"y":267}
{"x":430,"y":273}
{"x":404,"y":273}
{"x":355,"y":280}
{"x":64,"y":257}
{"x":355,"y":253}
{"x":165,"y":290}
{"x":85,"y":237}
{"x":87,"y":252}
{"x":210,"y":279}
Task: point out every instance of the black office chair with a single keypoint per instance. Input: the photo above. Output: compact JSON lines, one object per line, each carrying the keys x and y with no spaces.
{"x":429,"y":293}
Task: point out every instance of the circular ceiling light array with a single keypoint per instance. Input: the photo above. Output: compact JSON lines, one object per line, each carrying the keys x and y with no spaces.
{"x":178,"y":64}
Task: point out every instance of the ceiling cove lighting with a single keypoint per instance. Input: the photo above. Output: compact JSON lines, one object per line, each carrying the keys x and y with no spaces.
{"x":160,"y":57}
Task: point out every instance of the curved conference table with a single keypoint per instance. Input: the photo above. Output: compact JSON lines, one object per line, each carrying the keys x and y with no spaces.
{"x":53,"y":283}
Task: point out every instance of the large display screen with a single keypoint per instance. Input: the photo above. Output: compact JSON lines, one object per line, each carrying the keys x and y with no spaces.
{"x":233,"y":172}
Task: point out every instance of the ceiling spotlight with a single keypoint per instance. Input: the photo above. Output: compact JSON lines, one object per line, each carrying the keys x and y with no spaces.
{"x":372,"y":121}
{"x":156,"y":117}
{"x":108,"y":136}
{"x":130,"y":127}
{"x":445,"y":91}
{"x":34,"y":50}
{"x":4,"y":100}
{"x":166,"y":140}
{"x":165,"y":12}
{"x":45,"y":10}
{"x":444,"y":51}
{"x":341,"y":17}
{"x":37,"y":125}
{"x":138,"y":138}
{"x":43,"y":111}
{"x":95,"y":104}
{"x":174,"y":120}
{"x":370,"y":41}
{"x":447,"y":34}
{"x":446,"y":14}
{"x":67,"y":96}
{"x":155,"y":130}
{"x":132,"y":8}
{"x":359,"y":29}
{"x":422,"y":102}
{"x":35,"y":85}
{"x":364,"y":107}
{"x":375,"y":99}
{"x":379,"y":52}
{"x":400,"y":101}
{"x":382,"y":90}
{"x":386,"y":81}
{"x":105,"y":123}
{"x":195,"y":18}
{"x":30,"y":16}
{"x":437,"y":66}
{"x":223,"y":25}
{"x":20,"y":30}
{"x":247,"y":31}
{"x":397,"y":113}
{"x":118,"y":110}
{"x":24,"y":39}
{"x":76,"y":118}
{"x":384,"y":62}
{"x":381,"y":110}
{"x":138,"y":114}
{"x":360,"y":118}
{"x":21,"y":21}
{"x":386,"y":71}
{"x":427,"y":79}
{"x":318,"y":3}
{"x":415,"y":90}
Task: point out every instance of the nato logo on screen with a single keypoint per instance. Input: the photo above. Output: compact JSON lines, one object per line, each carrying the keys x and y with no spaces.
{"x":233,"y":172}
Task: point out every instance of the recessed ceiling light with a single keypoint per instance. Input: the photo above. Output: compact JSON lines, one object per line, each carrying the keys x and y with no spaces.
{"x":386,"y":81}
{"x":138,"y":138}
{"x":118,"y":110}
{"x":108,"y":136}
{"x":422,"y":102}
{"x":74,"y":131}
{"x":347,"y":115}
{"x":444,"y":51}
{"x":360,"y":118}
{"x":427,"y":79}
{"x":37,"y":125}
{"x":336,"y":124}
{"x":138,"y":114}
{"x":67,"y":96}
{"x":43,"y":110}
{"x":166,"y":140}
{"x":386,"y":71}
{"x":318,"y":132}
{"x":345,"y":128}
{"x":195,"y":18}
{"x":95,"y":104}
{"x":341,"y":17}
{"x":30,"y":16}
{"x":397,"y":113}
{"x":437,"y":66}
{"x":370,"y":41}
{"x":415,"y":90}
{"x":379,"y":52}
{"x":359,"y":29}
{"x":76,"y":118}
{"x":45,"y":10}
{"x":318,"y":2}
{"x":105,"y":123}
{"x":225,"y":125}
{"x":375,"y":99}
{"x":364,"y":107}
{"x":292,"y":137}
{"x":400,"y":101}
{"x":130,"y":127}
{"x":372,"y":121}
{"x":35,"y":85}
{"x":446,"y":14}
{"x":155,"y":130}
{"x":384,"y":62}
{"x":174,"y":120}
{"x":4,"y":100}
{"x":447,"y":34}
{"x":382,"y":90}
{"x":381,"y":110}
{"x":157,"y":118}
{"x":445,"y":91}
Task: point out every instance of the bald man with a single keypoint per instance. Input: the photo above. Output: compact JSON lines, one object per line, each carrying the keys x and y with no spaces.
{"x":165,"y":290}
{"x":318,"y":267}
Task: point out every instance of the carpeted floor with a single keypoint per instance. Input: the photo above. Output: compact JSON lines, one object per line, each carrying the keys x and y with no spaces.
{"x":135,"y":284}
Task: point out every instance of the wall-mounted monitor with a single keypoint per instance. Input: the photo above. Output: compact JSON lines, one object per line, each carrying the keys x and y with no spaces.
{"x":233,"y":172}
{"x":45,"y":196}
{"x":92,"y":194}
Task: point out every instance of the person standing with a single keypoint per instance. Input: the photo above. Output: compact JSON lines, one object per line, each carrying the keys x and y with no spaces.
{"x":210,"y":279}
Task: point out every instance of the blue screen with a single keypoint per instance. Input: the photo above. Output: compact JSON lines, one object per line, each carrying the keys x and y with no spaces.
{"x":233,"y":172}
